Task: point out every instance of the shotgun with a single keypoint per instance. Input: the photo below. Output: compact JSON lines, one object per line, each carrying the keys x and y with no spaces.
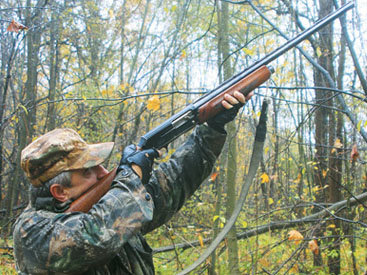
{"x":206,"y":107}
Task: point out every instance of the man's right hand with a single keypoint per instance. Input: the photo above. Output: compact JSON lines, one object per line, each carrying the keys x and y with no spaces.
{"x":140,"y":161}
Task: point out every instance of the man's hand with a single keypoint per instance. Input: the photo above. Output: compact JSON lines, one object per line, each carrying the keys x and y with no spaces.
{"x":140,"y":161}
{"x":237,"y":98}
{"x":232,"y":104}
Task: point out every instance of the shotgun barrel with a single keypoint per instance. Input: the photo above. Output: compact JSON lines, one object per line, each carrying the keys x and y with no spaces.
{"x":190,"y":116}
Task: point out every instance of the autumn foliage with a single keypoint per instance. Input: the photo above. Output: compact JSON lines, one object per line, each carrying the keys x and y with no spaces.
{"x":113,"y":70}
{"x":15,"y":27}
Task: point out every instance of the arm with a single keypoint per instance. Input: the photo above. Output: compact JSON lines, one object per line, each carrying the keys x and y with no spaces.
{"x":177,"y":179}
{"x":72,"y":242}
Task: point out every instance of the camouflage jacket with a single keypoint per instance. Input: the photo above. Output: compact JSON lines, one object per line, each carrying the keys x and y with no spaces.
{"x":109,"y":238}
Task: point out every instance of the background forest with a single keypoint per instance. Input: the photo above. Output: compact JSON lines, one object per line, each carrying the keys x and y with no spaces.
{"x":112,"y":70}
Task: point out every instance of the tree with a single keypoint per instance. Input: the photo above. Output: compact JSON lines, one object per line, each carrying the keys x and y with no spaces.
{"x":327,"y":175}
{"x":224,"y":51}
{"x":28,"y":120}
{"x":54,"y":68}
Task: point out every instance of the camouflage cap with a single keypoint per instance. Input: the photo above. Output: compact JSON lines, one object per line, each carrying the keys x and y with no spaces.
{"x":58,"y":151}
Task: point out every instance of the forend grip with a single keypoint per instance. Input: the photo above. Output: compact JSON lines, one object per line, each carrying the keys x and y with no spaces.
{"x":86,"y":201}
{"x":245,"y":86}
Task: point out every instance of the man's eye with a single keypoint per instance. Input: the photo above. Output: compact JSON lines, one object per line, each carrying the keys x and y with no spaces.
{"x":87,"y":171}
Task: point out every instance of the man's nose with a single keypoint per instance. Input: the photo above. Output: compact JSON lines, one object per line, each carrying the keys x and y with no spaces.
{"x":101,"y":171}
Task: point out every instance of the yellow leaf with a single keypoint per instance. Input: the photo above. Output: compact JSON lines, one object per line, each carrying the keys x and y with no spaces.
{"x":324,"y":173}
{"x":244,"y":224}
{"x":295,"y":236}
{"x":24,"y":108}
{"x":124,"y":87}
{"x":318,"y":188}
{"x":183,"y":54}
{"x":359,"y":125}
{"x":289,"y":75}
{"x":154,"y":103}
{"x":248,"y":51}
{"x":361,"y":208}
{"x":313,"y":246}
{"x":270,"y":201}
{"x":298,"y":179}
{"x":269,"y":42}
{"x":264,"y":178}
{"x":318,"y":51}
{"x":331,"y":226}
{"x":111,"y":13}
{"x":201,"y":240}
{"x":338,"y":143}
{"x":64,"y":50}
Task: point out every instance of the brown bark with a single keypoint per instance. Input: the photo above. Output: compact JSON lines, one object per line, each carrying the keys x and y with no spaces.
{"x":327,"y":176}
{"x":54,"y":71}
{"x":27,"y":119}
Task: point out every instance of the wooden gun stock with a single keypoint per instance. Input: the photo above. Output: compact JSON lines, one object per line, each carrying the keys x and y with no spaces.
{"x":85,"y":202}
{"x":245,"y":86}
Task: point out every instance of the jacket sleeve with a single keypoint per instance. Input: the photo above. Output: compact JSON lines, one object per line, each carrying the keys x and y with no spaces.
{"x":174,"y":181}
{"x":72,"y":242}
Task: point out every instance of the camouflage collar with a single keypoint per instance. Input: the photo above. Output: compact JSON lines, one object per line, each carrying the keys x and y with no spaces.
{"x":51,"y":204}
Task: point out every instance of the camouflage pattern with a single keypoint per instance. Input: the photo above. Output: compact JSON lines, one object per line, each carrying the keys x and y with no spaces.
{"x":108,"y":239}
{"x":60,"y":150}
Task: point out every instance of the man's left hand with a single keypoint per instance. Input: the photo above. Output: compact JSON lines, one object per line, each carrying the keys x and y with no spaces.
{"x":232,"y":103}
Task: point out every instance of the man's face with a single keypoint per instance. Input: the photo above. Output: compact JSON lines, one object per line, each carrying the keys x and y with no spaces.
{"x":83,"y":179}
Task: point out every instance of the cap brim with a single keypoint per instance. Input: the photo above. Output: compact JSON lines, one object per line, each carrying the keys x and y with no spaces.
{"x":93,"y":155}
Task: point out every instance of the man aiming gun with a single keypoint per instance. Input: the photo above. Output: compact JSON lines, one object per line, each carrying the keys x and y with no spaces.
{"x":108,"y":239}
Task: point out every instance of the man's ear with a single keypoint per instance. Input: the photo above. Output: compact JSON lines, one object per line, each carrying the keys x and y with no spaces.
{"x":58,"y":192}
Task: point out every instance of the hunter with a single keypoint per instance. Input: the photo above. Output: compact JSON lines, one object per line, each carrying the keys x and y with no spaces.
{"x":108,"y":239}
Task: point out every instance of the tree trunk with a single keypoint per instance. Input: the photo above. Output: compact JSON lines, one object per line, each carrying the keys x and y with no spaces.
{"x":27,"y":119}
{"x":223,"y":36}
{"x":327,"y":174}
{"x":54,"y":71}
{"x":7,"y":64}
